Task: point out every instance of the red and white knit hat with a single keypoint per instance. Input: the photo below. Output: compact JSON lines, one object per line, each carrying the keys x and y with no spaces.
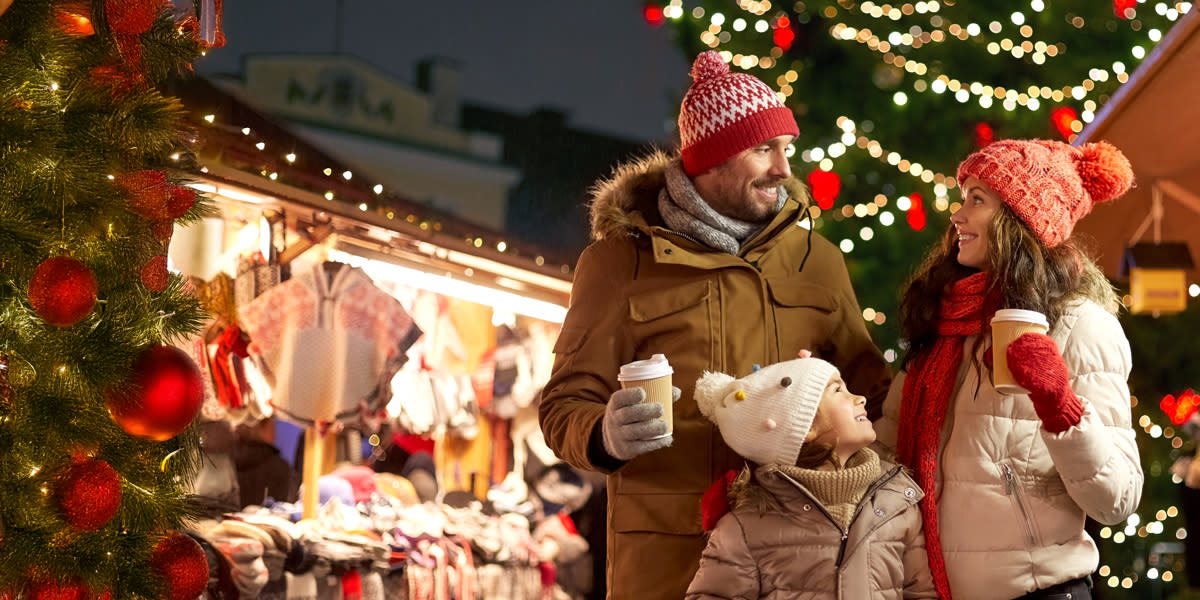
{"x":724,"y":113}
{"x":1048,"y":184}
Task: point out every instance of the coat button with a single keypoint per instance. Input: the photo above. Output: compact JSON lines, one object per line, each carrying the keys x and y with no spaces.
{"x":909,"y":492}
{"x":879,"y":512}
{"x":806,"y":507}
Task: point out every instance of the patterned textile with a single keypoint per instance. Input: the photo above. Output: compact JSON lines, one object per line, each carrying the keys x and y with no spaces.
{"x":328,"y":344}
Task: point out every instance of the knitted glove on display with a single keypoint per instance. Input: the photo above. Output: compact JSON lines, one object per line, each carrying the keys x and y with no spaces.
{"x":630,"y":422}
{"x":1037,"y":366}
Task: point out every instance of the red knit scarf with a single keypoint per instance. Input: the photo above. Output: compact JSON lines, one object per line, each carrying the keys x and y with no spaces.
{"x":927,"y":389}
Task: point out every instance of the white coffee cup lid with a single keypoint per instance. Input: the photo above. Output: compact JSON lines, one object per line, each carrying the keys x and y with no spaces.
{"x":638,"y":370}
{"x":1021,"y":315}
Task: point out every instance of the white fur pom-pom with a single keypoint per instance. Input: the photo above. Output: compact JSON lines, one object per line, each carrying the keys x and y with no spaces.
{"x":710,"y":391}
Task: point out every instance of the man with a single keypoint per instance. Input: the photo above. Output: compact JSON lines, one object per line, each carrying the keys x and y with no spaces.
{"x":706,"y":259}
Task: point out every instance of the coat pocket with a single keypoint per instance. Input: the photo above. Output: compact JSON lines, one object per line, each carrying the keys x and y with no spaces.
{"x":677,"y":321}
{"x":804,"y":315}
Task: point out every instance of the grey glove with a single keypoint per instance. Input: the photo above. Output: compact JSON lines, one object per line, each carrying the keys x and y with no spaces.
{"x":631,"y":425}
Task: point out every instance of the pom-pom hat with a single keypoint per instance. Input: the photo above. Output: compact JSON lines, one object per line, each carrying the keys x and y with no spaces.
{"x":1048,"y":184}
{"x":725,"y":113}
{"x":766,"y":415}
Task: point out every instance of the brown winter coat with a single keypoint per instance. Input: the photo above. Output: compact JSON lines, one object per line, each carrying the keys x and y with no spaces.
{"x":779,"y":543}
{"x":641,"y":289}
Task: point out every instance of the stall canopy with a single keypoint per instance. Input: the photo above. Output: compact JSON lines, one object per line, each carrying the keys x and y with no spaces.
{"x":1155,"y":120}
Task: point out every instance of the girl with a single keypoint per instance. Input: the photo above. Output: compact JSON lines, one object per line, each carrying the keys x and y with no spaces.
{"x":1009,"y":478}
{"x":820,"y":516}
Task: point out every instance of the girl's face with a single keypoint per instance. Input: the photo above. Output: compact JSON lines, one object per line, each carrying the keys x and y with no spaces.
{"x":842,"y":417}
{"x":973,"y":220}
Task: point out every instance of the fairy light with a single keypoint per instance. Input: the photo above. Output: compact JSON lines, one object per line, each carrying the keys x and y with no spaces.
{"x":290,"y":157}
{"x":378,"y":189}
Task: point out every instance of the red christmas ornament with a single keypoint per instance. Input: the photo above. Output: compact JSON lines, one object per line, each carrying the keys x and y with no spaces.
{"x":154,"y":274}
{"x":1125,"y":9}
{"x":984,"y":135}
{"x":163,"y":229}
{"x":653,"y":14}
{"x":180,"y":562}
{"x":161,"y":398}
{"x":72,"y":18}
{"x":1179,"y":410}
{"x":825,"y":186}
{"x":180,"y":200}
{"x":62,"y":291}
{"x":916,"y":213}
{"x":47,"y":589}
{"x":783,"y":36}
{"x":1062,"y":118}
{"x":148,"y":193}
{"x":89,"y":494}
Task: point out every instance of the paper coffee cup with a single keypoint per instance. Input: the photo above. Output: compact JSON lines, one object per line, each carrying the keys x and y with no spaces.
{"x":1008,"y":325}
{"x":654,"y":376}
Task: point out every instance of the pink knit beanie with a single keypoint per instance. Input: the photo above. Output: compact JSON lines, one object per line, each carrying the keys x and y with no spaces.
{"x":724,"y":113}
{"x":1050,"y":185}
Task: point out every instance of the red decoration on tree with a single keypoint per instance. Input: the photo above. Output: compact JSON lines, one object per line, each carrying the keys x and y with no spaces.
{"x":1062,"y":118}
{"x":1179,"y":410}
{"x":89,"y":494}
{"x":154,"y":274}
{"x":129,"y":19}
{"x":180,"y":200}
{"x":205,"y":25}
{"x":148,"y":193}
{"x":48,"y":589}
{"x":653,"y":13}
{"x":163,"y":229}
{"x":180,"y":562}
{"x":73,"y":19}
{"x":825,"y":186}
{"x":161,"y":398}
{"x":984,"y":134}
{"x":783,"y":36}
{"x":915,"y":215}
{"x":1125,"y":9}
{"x":62,"y":291}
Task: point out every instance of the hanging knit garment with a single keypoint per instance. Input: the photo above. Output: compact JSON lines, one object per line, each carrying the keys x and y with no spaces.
{"x":927,"y":390}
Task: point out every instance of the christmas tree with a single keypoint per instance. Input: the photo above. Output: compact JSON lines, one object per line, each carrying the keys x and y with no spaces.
{"x":890,"y":97}
{"x":95,"y":404}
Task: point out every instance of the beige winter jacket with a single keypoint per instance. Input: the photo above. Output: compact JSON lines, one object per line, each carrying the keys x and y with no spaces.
{"x":641,"y":289}
{"x":779,"y":543}
{"x":1012,"y":497}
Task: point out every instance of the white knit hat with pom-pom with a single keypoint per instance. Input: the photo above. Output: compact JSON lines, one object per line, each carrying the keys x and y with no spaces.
{"x":766,"y":415}
{"x":725,"y":113}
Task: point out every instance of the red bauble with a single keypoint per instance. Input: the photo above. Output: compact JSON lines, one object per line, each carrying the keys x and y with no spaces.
{"x":180,"y":562}
{"x":154,"y":274}
{"x":46,"y":589}
{"x":62,"y":291}
{"x":161,"y":398}
{"x":180,"y":202}
{"x":825,"y":186}
{"x":163,"y":229}
{"x":90,"y":494}
{"x":147,"y":192}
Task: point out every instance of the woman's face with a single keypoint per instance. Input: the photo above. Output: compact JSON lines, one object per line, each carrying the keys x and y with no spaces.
{"x":973,"y":220}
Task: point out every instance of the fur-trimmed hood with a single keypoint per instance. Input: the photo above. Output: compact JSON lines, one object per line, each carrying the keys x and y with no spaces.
{"x":627,"y":200}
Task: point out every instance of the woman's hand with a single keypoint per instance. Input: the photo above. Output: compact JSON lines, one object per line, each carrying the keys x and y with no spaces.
{"x":1037,"y":366}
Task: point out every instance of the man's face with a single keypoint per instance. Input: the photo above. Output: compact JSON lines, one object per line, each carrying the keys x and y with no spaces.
{"x":746,"y":187}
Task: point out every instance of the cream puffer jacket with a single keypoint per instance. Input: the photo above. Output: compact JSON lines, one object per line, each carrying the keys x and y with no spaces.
{"x":779,"y":543}
{"x":1012,"y":496}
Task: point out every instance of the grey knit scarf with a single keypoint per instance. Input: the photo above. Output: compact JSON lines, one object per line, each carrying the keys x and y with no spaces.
{"x":684,"y":211}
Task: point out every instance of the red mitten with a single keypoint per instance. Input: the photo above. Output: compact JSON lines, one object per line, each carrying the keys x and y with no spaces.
{"x":715,"y":502}
{"x":1037,"y":366}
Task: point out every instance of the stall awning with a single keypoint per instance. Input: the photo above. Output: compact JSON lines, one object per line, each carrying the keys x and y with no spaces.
{"x":1155,"y":120}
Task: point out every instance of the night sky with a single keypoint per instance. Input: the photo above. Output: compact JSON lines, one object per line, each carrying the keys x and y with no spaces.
{"x":597,"y":60}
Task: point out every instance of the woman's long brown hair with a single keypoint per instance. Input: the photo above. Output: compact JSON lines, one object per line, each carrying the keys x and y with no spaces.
{"x":1025,"y":274}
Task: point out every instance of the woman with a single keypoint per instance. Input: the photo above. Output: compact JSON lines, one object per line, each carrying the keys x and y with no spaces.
{"x":1009,"y":478}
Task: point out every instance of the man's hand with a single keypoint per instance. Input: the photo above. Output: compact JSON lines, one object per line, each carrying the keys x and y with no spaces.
{"x":630,"y":424}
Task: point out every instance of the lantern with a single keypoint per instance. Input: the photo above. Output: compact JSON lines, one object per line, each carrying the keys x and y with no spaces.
{"x":1157,"y":276}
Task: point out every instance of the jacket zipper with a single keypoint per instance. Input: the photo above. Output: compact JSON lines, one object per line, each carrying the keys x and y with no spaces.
{"x":845,"y":530}
{"x":1014,"y":492}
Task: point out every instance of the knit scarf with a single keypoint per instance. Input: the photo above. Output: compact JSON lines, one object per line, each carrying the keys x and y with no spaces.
{"x":927,"y":390}
{"x":840,"y":491}
{"x":684,"y":211}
